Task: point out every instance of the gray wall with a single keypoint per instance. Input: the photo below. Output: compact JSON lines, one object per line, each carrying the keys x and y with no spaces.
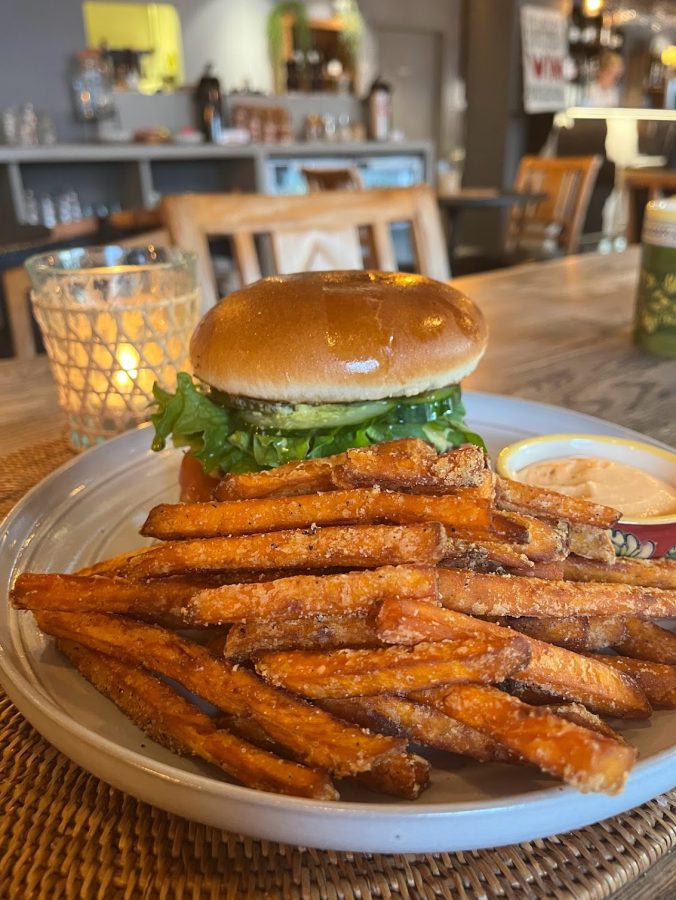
{"x":444,"y":18}
{"x":36,"y":39}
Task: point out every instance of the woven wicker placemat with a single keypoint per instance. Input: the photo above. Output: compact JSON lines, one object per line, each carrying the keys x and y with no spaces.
{"x":64,"y":833}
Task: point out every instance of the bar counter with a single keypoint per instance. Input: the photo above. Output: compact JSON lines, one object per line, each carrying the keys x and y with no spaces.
{"x":136,"y":175}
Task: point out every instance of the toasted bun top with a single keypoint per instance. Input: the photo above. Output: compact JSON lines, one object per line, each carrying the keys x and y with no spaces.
{"x":332,"y":337}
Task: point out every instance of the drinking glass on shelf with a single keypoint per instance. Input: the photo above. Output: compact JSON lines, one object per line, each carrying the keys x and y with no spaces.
{"x":329,"y":127}
{"x":27,"y":125}
{"x":47,"y":211}
{"x":10,"y":126}
{"x":115,"y":320}
{"x":31,"y":208}
{"x":46,"y":129}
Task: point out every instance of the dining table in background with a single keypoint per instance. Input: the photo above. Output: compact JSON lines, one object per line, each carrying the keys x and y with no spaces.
{"x":454,"y":203}
{"x":560,"y":333}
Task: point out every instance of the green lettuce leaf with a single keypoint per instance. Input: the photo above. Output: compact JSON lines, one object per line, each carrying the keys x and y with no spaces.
{"x":223,"y":441}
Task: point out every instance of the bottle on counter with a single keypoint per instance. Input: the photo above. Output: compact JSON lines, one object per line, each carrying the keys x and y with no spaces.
{"x":315,"y":71}
{"x":91,"y":86}
{"x":379,"y":110}
{"x":294,"y":71}
{"x":209,"y":107}
{"x":655,"y":321}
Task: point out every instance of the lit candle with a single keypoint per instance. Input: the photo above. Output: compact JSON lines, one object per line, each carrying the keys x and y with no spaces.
{"x":112,"y":332}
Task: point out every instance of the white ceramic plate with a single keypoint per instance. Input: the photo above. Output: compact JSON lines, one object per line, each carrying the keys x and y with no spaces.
{"x":92,"y":508}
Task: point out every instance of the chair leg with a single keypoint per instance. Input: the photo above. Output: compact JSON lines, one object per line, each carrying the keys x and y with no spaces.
{"x":16,"y":286}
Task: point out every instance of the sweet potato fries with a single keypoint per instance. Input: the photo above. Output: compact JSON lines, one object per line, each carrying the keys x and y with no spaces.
{"x":337,"y":609}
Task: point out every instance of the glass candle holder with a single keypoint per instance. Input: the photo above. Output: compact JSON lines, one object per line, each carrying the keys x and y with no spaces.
{"x":115,"y":320}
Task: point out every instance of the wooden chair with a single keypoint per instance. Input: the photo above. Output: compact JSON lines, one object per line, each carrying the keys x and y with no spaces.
{"x":314,"y":232}
{"x":16,"y":289}
{"x":553,"y":226}
{"x":347,"y":178}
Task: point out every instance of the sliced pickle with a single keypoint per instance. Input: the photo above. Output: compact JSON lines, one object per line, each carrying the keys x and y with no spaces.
{"x":304,"y":416}
{"x":270,"y":416}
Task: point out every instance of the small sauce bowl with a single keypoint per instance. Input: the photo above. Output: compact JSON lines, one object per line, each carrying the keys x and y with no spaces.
{"x":641,"y":538}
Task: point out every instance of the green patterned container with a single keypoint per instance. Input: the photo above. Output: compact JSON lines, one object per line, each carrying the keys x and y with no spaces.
{"x":655,"y":324}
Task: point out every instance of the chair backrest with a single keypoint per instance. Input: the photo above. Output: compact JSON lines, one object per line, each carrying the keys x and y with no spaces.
{"x":346,"y":178}
{"x":556,"y":222}
{"x":313,"y":232}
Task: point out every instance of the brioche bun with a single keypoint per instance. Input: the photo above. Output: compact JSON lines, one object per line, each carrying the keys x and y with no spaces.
{"x":338,"y":337}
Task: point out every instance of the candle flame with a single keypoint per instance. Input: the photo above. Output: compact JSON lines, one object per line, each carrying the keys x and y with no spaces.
{"x":128,"y":360}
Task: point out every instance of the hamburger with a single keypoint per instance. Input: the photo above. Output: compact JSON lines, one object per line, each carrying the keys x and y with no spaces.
{"x":307,"y":365}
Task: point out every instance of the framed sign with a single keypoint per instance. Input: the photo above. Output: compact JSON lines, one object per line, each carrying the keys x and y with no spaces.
{"x":544,"y":42}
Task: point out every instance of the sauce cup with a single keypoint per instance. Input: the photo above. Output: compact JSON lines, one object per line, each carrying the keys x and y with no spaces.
{"x":641,"y":538}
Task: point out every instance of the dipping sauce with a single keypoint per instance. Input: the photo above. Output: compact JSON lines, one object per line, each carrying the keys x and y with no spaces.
{"x":634,"y":492}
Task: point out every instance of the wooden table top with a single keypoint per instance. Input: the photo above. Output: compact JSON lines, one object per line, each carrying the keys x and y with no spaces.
{"x":560,"y":333}
{"x":649,"y":176}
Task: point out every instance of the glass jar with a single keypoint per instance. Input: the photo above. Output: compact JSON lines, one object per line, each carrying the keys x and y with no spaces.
{"x":655,"y":321}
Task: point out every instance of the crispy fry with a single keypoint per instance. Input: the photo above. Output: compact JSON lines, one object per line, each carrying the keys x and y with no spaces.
{"x":603,"y":631}
{"x":592,"y":543}
{"x":319,"y":633}
{"x":558,"y":671}
{"x":552,"y":571}
{"x":179,"y":725}
{"x":401,"y":774}
{"x":507,"y":528}
{"x":311,"y":475}
{"x":309,"y":733}
{"x":535,"y":696}
{"x":645,"y":640}
{"x":353,"y":593}
{"x":355,"y":546}
{"x":157,"y":600}
{"x":510,"y":595}
{"x":302,"y":477}
{"x":477,"y":554}
{"x":349,"y":673}
{"x":368,"y":506}
{"x":656,"y":680}
{"x":582,"y":757}
{"x":404,"y":775}
{"x":570,"y":676}
{"x":416,"y":468}
{"x":535,"y":501}
{"x":659,"y":573}
{"x":580,"y":715}
{"x":543,"y":541}
{"x":573,"y":632}
{"x":419,"y":723}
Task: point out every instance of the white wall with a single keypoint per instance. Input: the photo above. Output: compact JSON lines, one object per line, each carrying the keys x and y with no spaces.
{"x":231,"y":35}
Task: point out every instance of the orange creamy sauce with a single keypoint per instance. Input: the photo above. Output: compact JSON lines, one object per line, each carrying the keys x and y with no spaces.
{"x":636,"y":493}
